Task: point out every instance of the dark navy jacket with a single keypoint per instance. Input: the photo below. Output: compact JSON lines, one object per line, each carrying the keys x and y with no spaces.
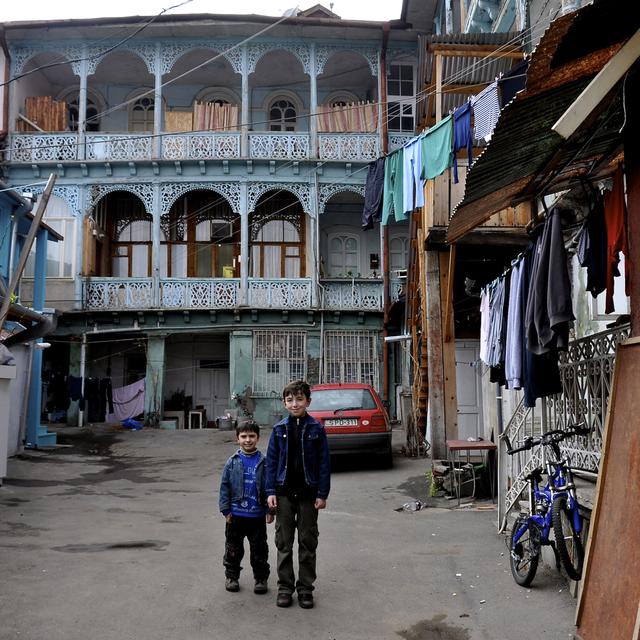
{"x":315,"y":457}
{"x":232,"y":482}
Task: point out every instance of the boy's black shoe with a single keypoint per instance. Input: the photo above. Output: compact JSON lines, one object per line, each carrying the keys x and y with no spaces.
{"x":305,"y":600}
{"x":284,"y":599}
{"x":231,"y":584}
{"x":260,"y":586}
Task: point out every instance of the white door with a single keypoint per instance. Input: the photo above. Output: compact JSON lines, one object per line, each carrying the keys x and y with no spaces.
{"x":469,"y":389}
{"x":212,"y":391}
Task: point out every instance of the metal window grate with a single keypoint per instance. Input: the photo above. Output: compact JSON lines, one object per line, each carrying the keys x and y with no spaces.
{"x":351,"y":356}
{"x":278,"y":358}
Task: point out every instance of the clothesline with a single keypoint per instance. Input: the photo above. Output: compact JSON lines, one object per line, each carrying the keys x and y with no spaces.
{"x":395,"y":182}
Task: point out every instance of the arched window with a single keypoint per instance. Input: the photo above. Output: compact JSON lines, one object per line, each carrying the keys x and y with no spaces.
{"x":344,"y":256}
{"x":141,"y":114}
{"x":398,"y":253}
{"x":277,"y":238}
{"x":73,"y":110}
{"x":282,"y":115}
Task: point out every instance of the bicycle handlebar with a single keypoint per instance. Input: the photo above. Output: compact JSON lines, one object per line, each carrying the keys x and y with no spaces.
{"x":556,"y":435}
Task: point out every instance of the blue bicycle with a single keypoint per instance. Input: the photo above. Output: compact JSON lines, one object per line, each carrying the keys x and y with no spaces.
{"x":553,"y":505}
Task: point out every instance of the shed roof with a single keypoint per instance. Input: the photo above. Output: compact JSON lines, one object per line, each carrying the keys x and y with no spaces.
{"x":525,"y":158}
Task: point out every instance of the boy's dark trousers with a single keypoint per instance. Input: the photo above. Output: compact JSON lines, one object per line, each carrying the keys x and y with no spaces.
{"x":255,"y":530}
{"x":301,"y":514}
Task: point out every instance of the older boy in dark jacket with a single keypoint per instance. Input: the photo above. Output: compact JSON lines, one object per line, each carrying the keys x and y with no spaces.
{"x":298,"y":483}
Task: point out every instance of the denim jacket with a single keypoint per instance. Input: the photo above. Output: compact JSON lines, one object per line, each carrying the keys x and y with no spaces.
{"x":315,"y":456}
{"x":232,"y":482}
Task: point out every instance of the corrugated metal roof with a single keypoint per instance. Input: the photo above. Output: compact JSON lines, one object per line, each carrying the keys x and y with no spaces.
{"x":516,"y":163}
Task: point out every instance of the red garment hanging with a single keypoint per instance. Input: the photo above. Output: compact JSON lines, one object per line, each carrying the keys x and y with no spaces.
{"x":615,"y":213}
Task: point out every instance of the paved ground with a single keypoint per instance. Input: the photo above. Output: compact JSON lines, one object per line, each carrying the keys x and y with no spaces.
{"x":118,"y":537}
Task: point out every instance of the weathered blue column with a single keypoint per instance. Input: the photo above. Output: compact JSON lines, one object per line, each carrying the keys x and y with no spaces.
{"x":154,"y":384}
{"x":5,"y":244}
{"x":35,"y":434}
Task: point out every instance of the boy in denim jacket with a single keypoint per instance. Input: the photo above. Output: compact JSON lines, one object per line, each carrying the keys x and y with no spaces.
{"x":298,"y":482}
{"x":243,"y":504}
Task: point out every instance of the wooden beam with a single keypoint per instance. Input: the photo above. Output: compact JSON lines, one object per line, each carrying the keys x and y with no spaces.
{"x":598,"y":88}
{"x":438,"y":58}
{"x":448,"y":308}
{"x":450,"y":396}
{"x":475,"y":51}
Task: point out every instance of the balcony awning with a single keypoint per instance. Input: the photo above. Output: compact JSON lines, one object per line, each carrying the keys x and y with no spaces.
{"x":526,"y":158}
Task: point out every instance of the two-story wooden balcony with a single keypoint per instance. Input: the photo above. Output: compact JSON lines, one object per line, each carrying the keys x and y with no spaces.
{"x":120,"y":294}
{"x":43,"y":147}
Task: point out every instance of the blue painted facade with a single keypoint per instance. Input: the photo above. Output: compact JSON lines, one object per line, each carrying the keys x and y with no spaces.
{"x":217,"y":262}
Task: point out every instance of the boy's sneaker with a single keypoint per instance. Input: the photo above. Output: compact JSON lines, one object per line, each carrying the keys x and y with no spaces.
{"x":284,"y":599}
{"x":231,"y":584}
{"x":260,"y":586}
{"x":305,"y":600}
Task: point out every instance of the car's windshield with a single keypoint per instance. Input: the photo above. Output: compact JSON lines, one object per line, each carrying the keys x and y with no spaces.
{"x":336,"y":399}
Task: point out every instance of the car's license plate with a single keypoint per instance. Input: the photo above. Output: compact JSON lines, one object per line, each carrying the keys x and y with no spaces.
{"x":341,"y":422}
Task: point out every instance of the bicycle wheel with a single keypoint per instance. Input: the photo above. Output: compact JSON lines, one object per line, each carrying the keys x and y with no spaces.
{"x":525,"y":553}
{"x":568,"y":542}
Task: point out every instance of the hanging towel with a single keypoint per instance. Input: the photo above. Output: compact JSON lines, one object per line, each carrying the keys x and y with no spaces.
{"x":128,"y":401}
{"x":486,"y":111}
{"x":373,"y":191}
{"x":462,"y":136}
{"x":392,"y":199}
{"x":615,"y":214}
{"x":411,"y":167}
{"x":436,"y":149}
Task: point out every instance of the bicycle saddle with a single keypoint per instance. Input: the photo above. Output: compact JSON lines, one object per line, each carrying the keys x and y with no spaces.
{"x":536,"y":474}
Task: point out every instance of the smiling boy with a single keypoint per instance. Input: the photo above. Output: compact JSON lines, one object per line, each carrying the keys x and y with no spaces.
{"x":298,"y":483}
{"x":243,"y":504}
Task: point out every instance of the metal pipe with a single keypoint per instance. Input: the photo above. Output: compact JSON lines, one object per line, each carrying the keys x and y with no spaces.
{"x":83,"y":361}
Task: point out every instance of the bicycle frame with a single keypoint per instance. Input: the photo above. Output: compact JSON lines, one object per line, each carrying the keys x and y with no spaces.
{"x":541,"y":499}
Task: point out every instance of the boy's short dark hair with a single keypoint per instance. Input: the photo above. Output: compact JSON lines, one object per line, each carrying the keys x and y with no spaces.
{"x":248,"y":426}
{"x":296,"y":387}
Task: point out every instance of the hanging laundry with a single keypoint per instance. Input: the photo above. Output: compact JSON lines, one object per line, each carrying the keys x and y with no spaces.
{"x":540,"y":373}
{"x":615,"y":213}
{"x":484,"y":325}
{"x":413,"y":186}
{"x":462,"y":136}
{"x":392,"y":199}
{"x":496,"y":318}
{"x":486,"y":111}
{"x":436,"y":149}
{"x":513,"y":81}
{"x":515,"y":328}
{"x":549,"y":308}
{"x":592,"y":248}
{"x":128,"y":401}
{"x":74,"y":389}
{"x":373,"y":191}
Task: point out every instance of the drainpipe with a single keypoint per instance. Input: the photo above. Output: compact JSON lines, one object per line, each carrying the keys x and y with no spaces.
{"x":5,"y":90}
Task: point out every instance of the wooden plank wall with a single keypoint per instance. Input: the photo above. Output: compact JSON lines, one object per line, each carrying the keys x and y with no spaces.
{"x":608,"y":604}
{"x":44,"y":111}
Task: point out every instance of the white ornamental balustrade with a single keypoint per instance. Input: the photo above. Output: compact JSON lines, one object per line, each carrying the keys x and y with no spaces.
{"x":200,"y":146}
{"x":110,"y":147}
{"x":352,"y":294}
{"x":43,"y":147}
{"x":397,"y":140}
{"x":279,"y":146}
{"x":118,"y":293}
{"x":348,"y":146}
{"x":280,"y":294}
{"x":191,"y":293}
{"x":396,"y":288}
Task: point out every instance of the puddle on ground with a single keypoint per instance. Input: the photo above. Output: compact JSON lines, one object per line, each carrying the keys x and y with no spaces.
{"x":155,"y":545}
{"x":434,"y":629}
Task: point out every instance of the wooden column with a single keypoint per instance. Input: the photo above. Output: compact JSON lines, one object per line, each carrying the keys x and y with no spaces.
{"x":437,"y":426}
{"x":448,"y":344}
{"x":632,"y":170}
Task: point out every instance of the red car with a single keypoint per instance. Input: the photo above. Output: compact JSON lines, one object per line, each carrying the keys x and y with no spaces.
{"x":354,"y":418}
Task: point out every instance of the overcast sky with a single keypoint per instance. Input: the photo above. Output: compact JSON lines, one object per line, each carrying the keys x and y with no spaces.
{"x":59,"y":9}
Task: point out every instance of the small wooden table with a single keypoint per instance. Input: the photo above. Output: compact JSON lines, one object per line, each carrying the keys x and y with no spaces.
{"x":454,"y":447}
